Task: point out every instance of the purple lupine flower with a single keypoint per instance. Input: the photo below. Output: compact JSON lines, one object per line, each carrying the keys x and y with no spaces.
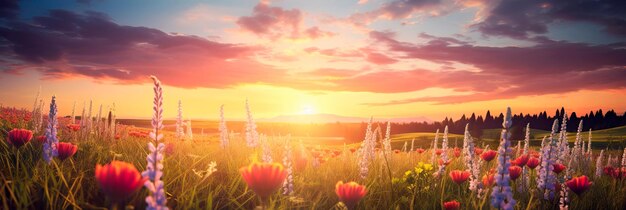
{"x":547,"y":177}
{"x":502,"y":196}
{"x":470,"y":160}
{"x":50,"y":145}
{"x":287,"y":162}
{"x":223,"y":129}
{"x":444,"y":154}
{"x":599,"y":169}
{"x":252,"y":136}
{"x":432,"y":157}
{"x":267,"y":152}
{"x":365,"y":151}
{"x":156,"y":200}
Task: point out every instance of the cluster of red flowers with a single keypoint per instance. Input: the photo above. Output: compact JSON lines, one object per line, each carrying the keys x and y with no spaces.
{"x":488,"y":155}
{"x":617,"y":173}
{"x":19,"y":137}
{"x":13,"y":115}
{"x":73,"y":127}
{"x":139,"y":134}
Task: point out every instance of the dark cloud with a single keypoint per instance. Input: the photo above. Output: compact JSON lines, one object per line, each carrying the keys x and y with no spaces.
{"x":549,"y":67}
{"x":522,"y":19}
{"x":65,"y":44}
{"x":9,"y":9}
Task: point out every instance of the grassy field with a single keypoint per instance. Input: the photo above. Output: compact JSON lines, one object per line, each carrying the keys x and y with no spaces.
{"x":28,"y":182}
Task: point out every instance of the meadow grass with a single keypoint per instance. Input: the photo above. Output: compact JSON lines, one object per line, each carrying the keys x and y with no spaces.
{"x":29,"y":183}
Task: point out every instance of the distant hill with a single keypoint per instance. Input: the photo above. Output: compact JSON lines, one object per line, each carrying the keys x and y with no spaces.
{"x":332,"y":118}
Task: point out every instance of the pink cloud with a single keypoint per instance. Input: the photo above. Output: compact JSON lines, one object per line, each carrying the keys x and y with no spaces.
{"x":276,"y":22}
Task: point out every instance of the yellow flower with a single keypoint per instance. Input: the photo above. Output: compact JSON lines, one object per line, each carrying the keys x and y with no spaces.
{"x":428,"y":167}
{"x":418,"y":170}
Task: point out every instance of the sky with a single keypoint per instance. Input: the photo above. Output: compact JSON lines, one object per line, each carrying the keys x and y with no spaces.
{"x":362,"y":58}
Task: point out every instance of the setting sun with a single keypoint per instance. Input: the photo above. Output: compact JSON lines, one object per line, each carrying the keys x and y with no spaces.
{"x":308,"y":110}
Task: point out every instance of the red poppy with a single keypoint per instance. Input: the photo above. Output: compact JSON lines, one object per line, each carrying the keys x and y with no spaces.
{"x":452,"y":205}
{"x":350,"y":193}
{"x":438,"y":151}
{"x":66,"y":150}
{"x":336,"y":152}
{"x":19,"y":137}
{"x":440,"y":161}
{"x":420,"y":150}
{"x":515,"y":172}
{"x":478,"y":151}
{"x":579,"y":184}
{"x":264,"y":178}
{"x":521,"y":160}
{"x":457,"y":153}
{"x":396,"y":151}
{"x":41,"y":139}
{"x":352,"y":150}
{"x":73,"y":127}
{"x":489,"y":180}
{"x":532,"y":163}
{"x":558,"y":168}
{"x":488,"y":155}
{"x":118,"y":179}
{"x":459,"y":176}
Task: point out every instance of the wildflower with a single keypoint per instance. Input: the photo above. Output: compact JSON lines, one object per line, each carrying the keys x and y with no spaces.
{"x":459,"y":176}
{"x":352,"y":150}
{"x":264,"y":178}
{"x":50,"y":145}
{"x":397,"y":151}
{"x":502,"y":197}
{"x":19,"y":137}
{"x":73,"y":127}
{"x":224,"y":141}
{"x":488,"y":180}
{"x":558,"y":168}
{"x":579,"y":184}
{"x":532,"y":163}
{"x":515,"y":172}
{"x":419,"y":150}
{"x":350,"y":193}
{"x":66,"y":150}
{"x":154,"y":168}
{"x":478,"y":151}
{"x":457,"y":152}
{"x":252,"y":136}
{"x":488,"y":155}
{"x":438,"y":152}
{"x":452,"y":205}
{"x":521,"y":160}
{"x":118,"y":179}
{"x":41,"y":139}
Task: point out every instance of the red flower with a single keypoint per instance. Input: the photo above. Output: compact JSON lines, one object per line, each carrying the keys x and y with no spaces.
{"x":478,"y":151}
{"x":118,"y":179}
{"x":515,"y":172}
{"x":350,"y":193}
{"x":19,"y":137}
{"x":170,"y":148}
{"x":336,"y":152}
{"x":459,"y":176}
{"x":532,"y":163}
{"x":521,"y":160}
{"x":452,"y":205}
{"x":438,"y":151}
{"x":420,"y":150}
{"x":616,"y":173}
{"x":352,"y":150}
{"x":489,"y":180}
{"x":608,"y":170}
{"x":41,"y":139}
{"x":66,"y":150}
{"x":263,"y":178}
{"x":457,"y":152}
{"x":440,"y":161}
{"x":396,"y":151}
{"x":558,"y":168}
{"x":579,"y":184}
{"x":73,"y":127}
{"x":488,"y":155}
